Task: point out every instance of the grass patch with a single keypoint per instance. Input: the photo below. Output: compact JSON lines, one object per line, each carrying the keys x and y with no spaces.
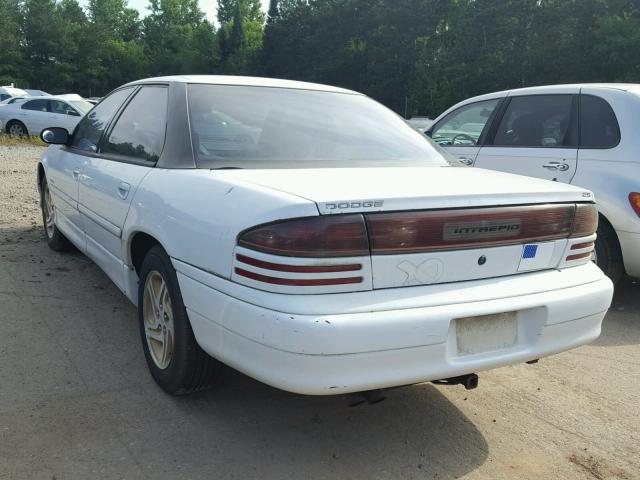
{"x":29,"y":141}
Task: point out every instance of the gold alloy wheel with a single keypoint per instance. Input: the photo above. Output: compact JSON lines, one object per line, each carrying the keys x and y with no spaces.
{"x":157,"y":313}
{"x":48,"y":211}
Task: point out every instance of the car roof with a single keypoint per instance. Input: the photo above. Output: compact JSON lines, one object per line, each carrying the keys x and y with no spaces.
{"x":554,"y":88}
{"x":245,"y":81}
{"x":54,"y":97}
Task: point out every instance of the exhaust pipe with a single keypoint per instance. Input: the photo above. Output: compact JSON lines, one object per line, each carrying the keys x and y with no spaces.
{"x":370,"y":396}
{"x":470,"y":381}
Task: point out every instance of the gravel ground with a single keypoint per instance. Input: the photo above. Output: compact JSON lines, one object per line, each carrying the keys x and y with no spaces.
{"x":76,"y":400}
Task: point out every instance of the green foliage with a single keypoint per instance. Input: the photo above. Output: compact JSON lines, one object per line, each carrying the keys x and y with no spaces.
{"x":415,"y":56}
{"x":11,"y":60}
{"x":251,"y":10}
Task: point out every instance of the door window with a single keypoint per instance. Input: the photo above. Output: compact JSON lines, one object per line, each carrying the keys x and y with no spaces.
{"x":90,"y":128}
{"x":598,"y":124}
{"x":36,"y":105}
{"x":537,"y":121}
{"x":139,"y":132}
{"x":464,"y":126}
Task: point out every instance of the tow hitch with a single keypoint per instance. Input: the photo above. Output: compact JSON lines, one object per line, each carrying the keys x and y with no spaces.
{"x":469,"y":381}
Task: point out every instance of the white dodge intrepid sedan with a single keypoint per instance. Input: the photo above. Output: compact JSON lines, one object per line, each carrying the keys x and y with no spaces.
{"x":308,"y":237}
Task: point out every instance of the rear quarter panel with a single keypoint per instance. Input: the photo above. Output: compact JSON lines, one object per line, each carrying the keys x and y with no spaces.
{"x":197,"y":217}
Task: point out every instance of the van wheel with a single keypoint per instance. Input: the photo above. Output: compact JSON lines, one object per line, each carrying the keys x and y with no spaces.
{"x":175,"y":360}
{"x":607,"y":252}
{"x":16,"y":129}
{"x":55,"y":239}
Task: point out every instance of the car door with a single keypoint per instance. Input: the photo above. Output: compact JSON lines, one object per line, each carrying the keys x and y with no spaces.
{"x":537,"y":136}
{"x":61,"y":114}
{"x":127,"y":152}
{"x":35,"y":115}
{"x":65,"y":164}
{"x":461,"y":131}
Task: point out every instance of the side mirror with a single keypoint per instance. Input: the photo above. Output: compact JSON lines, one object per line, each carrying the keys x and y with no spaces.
{"x":55,"y":136}
{"x":73,"y":113}
{"x":428,"y":133}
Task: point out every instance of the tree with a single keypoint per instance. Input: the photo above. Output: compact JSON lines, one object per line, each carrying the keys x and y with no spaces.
{"x":178,"y":39}
{"x":251,"y":10}
{"x":11,"y":61}
{"x":272,"y":13}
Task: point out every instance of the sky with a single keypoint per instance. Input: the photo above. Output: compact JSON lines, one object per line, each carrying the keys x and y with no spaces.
{"x":207,"y":6}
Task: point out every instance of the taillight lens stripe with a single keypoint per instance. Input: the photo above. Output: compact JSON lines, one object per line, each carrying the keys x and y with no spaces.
{"x":279,"y":267}
{"x":580,"y":246}
{"x":297,"y":282}
{"x":420,"y":231}
{"x":578,"y":256}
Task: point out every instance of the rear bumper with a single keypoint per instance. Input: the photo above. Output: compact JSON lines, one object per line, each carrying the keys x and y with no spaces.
{"x":630,"y":246}
{"x":323,"y":354}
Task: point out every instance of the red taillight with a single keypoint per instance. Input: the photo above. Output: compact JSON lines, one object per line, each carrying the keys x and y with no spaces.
{"x":634,"y":200}
{"x":420,"y":231}
{"x":325,"y":236}
{"x":586,"y":220}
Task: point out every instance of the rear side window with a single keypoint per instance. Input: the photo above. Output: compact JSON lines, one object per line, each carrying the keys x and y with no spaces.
{"x":464,"y":125}
{"x":56,"y":106}
{"x":90,"y":128}
{"x":537,"y":121}
{"x":139,"y":132}
{"x":37,"y":105}
{"x":598,"y":124}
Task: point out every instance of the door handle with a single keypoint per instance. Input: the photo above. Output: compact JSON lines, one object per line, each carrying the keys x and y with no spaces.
{"x":76,"y":173}
{"x":466,"y":160}
{"x":562,"y":167}
{"x":123,"y":190}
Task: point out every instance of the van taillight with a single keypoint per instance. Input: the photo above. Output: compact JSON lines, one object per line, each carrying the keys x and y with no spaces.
{"x":634,"y":200}
{"x":324,"y":236}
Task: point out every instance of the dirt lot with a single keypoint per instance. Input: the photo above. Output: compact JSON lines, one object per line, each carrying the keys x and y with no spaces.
{"x":76,"y":400}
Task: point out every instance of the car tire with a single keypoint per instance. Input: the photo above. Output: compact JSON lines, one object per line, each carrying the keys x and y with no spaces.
{"x":17,"y":129}
{"x":55,"y":239}
{"x":175,"y":360}
{"x":608,"y":255}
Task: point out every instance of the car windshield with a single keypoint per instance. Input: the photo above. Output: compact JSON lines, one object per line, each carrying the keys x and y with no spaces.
{"x":265,"y":127}
{"x":82,"y":106}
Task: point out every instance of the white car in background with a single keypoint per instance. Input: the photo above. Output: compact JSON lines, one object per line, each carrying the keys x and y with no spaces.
{"x":586,"y":135}
{"x":31,"y":116}
{"x":8,"y":92}
{"x":340,"y":252}
{"x":10,"y":100}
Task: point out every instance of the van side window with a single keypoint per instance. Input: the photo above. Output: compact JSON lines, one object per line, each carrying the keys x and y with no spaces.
{"x":598,"y":124}
{"x":536,"y":121}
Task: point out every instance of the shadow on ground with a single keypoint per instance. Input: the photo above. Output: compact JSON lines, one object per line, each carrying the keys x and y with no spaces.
{"x":77,"y":400}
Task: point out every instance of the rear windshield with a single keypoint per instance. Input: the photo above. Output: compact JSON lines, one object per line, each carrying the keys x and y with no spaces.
{"x":264,"y":127}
